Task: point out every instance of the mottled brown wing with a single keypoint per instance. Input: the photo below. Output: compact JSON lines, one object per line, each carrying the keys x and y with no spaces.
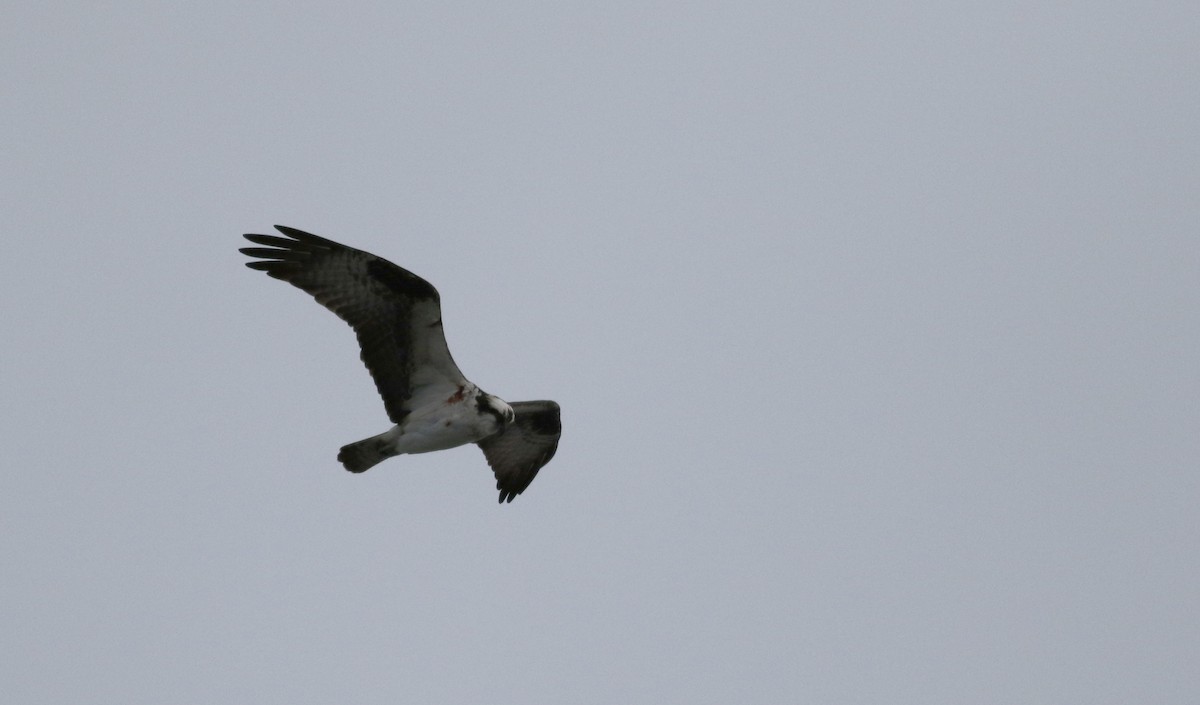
{"x":396,"y":314}
{"x":523,"y":447}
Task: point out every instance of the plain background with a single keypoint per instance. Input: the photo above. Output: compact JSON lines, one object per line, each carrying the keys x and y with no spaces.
{"x":874,"y":326}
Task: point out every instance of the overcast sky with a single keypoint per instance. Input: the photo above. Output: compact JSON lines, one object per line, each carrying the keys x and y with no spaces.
{"x":874,"y":325}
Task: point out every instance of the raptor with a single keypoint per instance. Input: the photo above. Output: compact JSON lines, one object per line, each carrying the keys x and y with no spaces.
{"x":397,"y":317}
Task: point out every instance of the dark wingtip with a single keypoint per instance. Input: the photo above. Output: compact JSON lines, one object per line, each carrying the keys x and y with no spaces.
{"x":299,"y":234}
{"x":309,"y":238}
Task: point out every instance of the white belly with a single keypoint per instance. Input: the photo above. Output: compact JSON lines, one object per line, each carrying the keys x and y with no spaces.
{"x":441,"y":427}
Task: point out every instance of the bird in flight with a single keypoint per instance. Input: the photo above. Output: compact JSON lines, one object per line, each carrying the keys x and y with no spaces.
{"x":397,"y":317}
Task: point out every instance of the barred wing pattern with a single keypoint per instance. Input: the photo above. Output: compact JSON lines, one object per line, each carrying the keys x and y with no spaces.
{"x":395,"y":314}
{"x":516,"y":453}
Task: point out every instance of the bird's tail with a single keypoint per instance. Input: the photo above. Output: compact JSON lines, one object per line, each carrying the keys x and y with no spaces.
{"x":363,"y":455}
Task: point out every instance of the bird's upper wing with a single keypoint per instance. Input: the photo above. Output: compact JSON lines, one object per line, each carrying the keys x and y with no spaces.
{"x":521,"y":449}
{"x":396,"y":314}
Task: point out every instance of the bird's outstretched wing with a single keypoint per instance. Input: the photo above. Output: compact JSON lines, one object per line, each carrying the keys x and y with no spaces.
{"x":523,"y":447}
{"x":396,"y":314}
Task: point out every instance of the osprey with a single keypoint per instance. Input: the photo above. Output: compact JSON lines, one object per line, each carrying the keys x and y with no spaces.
{"x":398,"y":319}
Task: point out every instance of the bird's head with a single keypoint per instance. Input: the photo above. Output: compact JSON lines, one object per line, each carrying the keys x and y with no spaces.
{"x":497,"y":407}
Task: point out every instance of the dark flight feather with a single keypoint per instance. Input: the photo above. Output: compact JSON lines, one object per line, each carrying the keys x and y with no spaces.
{"x":383,"y":302}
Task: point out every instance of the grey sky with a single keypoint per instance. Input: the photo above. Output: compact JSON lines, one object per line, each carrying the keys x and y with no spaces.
{"x":874,"y":327}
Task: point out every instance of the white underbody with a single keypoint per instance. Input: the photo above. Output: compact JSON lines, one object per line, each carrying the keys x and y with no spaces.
{"x":442,"y":423}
